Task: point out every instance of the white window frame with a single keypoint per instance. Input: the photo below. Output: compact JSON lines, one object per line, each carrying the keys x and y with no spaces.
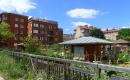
{"x":35,"y":31}
{"x":16,"y":25}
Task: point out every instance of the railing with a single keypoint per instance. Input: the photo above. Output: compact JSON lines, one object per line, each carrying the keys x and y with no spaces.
{"x":74,"y":70}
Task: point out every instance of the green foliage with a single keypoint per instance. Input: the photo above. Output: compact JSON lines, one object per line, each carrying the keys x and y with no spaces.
{"x":9,"y":68}
{"x":55,"y":50}
{"x":58,"y":51}
{"x":97,"y":33}
{"x":124,"y":34}
{"x":123,"y":57}
{"x":68,"y":54}
{"x":32,"y":46}
{"x":104,"y":77}
{"x":5,"y":33}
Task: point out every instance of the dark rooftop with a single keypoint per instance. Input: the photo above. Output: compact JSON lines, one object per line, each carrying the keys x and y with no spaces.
{"x":44,"y":20}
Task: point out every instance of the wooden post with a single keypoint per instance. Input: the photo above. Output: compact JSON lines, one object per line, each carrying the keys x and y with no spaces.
{"x":95,"y":57}
{"x":110,"y":54}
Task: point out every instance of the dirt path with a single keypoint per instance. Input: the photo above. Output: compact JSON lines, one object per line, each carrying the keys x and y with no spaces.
{"x":1,"y":78}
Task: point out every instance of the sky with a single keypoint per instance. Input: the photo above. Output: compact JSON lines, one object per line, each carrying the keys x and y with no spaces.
{"x":71,"y":13}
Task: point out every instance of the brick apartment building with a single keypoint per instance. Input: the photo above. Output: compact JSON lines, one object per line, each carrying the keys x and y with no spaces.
{"x":18,"y":25}
{"x":81,"y":31}
{"x":45,"y":30}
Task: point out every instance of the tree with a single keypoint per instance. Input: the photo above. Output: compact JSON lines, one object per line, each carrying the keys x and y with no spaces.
{"x":5,"y":33}
{"x":97,"y":33}
{"x":32,"y":46}
{"x":124,"y":34}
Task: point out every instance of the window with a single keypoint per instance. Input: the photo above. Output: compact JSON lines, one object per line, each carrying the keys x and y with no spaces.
{"x":48,"y":27}
{"x":42,"y":26}
{"x":55,"y":27}
{"x":45,"y":39}
{"x":41,"y":38}
{"x":35,"y":31}
{"x":21,"y":38}
{"x":16,"y":32}
{"x":41,"y":32}
{"x":4,"y":17}
{"x":57,"y":33}
{"x":21,"y":26}
{"x":79,"y":52}
{"x":16,"y":25}
{"x":16,"y":38}
{"x":56,"y":39}
{"x":35,"y":25}
{"x":21,"y":20}
{"x":16,"y":19}
{"x":21,"y":31}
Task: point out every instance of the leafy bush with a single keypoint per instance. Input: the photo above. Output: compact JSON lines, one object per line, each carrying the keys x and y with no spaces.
{"x":68,"y":55}
{"x":58,"y":51}
{"x":123,"y":57}
{"x":55,"y":50}
{"x":32,"y":46}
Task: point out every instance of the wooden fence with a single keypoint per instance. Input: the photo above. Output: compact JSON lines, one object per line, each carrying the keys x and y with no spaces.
{"x":64,"y":69}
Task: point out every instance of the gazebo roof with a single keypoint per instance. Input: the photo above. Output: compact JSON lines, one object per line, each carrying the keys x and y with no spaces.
{"x":121,"y":41}
{"x":87,"y":40}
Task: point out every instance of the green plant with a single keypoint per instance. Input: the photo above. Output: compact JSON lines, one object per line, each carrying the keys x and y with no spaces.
{"x":123,"y":57}
{"x":97,"y":33}
{"x":68,"y":54}
{"x":9,"y":68}
{"x":124,"y":34}
{"x":55,"y":51}
{"x":32,"y":46}
{"x":5,"y":33}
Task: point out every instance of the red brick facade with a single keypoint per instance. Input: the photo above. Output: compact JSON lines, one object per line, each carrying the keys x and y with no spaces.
{"x":46,"y":31}
{"x":18,"y":25}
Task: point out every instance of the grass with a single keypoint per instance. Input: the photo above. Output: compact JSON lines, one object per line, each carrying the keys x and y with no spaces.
{"x":8,"y":68}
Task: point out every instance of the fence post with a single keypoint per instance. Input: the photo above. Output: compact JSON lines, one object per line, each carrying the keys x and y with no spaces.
{"x":98,"y":72}
{"x":66,"y":71}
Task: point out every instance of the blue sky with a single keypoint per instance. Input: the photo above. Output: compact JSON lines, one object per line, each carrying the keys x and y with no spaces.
{"x":69,"y":13}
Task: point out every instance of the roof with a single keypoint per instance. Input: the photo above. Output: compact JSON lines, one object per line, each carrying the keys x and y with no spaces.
{"x":121,"y":41}
{"x":110,"y":31}
{"x":43,"y":20}
{"x":87,"y":40}
{"x":13,"y":14}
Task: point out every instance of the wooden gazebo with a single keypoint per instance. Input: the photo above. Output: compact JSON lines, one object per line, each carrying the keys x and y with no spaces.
{"x":89,"y":48}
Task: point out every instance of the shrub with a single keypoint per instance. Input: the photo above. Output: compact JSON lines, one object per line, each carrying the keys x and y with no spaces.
{"x":32,"y":46}
{"x":123,"y":57}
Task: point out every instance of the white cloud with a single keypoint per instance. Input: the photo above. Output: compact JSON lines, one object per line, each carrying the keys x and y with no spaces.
{"x":83,"y":13}
{"x":75,"y":24}
{"x":125,"y":27}
{"x":19,"y":6}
